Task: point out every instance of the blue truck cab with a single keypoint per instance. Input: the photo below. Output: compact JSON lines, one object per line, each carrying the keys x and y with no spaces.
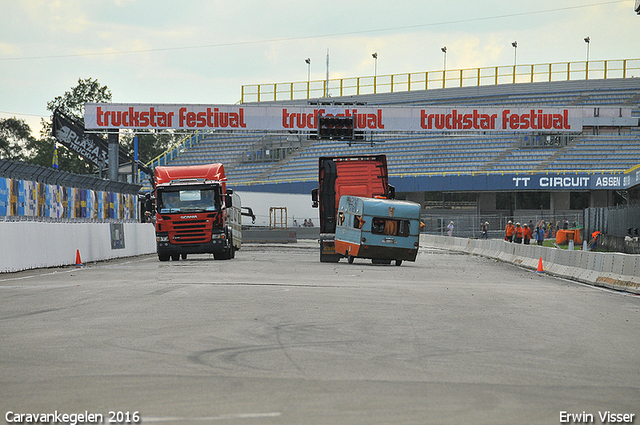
{"x":382,"y":230}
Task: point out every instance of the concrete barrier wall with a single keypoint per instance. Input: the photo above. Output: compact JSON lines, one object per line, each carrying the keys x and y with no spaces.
{"x":612,"y":270}
{"x":261,"y":235}
{"x":28,"y":244}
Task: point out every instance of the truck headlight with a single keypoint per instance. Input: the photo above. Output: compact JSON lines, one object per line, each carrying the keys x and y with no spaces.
{"x":162,"y":238}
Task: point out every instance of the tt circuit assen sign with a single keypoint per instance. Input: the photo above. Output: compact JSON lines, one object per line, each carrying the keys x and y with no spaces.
{"x":521,"y":183}
{"x":104,"y":116}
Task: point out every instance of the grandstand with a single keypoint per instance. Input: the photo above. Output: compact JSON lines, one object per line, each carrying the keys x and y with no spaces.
{"x":249,"y":158}
{"x":447,"y":161}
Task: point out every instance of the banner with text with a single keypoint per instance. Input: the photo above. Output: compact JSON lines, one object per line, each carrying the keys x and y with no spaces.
{"x":103,"y":116}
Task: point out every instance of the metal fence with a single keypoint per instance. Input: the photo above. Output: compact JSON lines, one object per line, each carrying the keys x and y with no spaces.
{"x":35,"y":193}
{"x":37,"y":173}
{"x":470,"y":225}
{"x":613,"y":221}
{"x":470,"y":77}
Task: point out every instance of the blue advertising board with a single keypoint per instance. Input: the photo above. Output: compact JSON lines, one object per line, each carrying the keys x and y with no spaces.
{"x":476,"y":182}
{"x":509,"y":182}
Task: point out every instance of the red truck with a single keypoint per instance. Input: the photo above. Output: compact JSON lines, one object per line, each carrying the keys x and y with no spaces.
{"x":361,"y":175}
{"x":195,"y":213}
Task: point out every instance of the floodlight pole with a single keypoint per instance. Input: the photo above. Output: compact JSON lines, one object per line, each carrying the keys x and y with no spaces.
{"x":308,"y":61}
{"x":444,"y":66}
{"x":515,"y":52}
{"x":375,"y":70}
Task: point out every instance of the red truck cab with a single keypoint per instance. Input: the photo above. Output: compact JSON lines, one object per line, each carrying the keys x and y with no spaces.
{"x":194,"y":212}
{"x":361,"y":175}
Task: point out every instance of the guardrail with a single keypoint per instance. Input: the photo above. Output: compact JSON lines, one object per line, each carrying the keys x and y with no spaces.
{"x":607,"y":269}
{"x":468,"y":77}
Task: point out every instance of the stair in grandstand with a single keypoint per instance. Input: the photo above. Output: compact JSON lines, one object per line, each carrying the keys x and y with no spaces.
{"x":579,"y":100}
{"x":266,"y":155}
{"x":633,"y":100}
{"x":542,"y":165}
{"x":304,"y":144}
{"x":498,"y":159}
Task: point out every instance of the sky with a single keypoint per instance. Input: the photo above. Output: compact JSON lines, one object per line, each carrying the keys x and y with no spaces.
{"x":203,"y":51}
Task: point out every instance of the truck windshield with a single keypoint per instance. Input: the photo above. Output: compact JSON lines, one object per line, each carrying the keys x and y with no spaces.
{"x":187,"y":200}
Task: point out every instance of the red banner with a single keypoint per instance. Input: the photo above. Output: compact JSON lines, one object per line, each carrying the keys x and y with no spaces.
{"x":102,"y":116}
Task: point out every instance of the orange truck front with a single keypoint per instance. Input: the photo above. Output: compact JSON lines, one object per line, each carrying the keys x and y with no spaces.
{"x":192,"y":208}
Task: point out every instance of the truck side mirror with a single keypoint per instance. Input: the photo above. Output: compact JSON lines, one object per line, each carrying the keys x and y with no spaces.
{"x":227,"y":201}
{"x":314,"y":198}
{"x":392,"y":192}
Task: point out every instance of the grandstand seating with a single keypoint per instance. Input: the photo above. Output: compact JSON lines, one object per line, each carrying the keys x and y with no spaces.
{"x":417,"y":153}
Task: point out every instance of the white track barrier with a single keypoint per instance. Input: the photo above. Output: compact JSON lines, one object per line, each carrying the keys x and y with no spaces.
{"x":607,"y":269}
{"x":29,"y":245}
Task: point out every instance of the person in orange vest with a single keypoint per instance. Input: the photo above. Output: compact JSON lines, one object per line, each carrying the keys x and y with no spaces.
{"x":517,"y":235}
{"x":509,"y":232}
{"x":527,"y":233}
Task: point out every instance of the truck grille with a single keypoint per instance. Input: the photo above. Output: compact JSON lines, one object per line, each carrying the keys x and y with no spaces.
{"x":190,"y":231}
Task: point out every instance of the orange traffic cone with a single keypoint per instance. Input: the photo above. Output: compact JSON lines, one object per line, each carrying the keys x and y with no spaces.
{"x":78,"y":260}
{"x":540,"y":266}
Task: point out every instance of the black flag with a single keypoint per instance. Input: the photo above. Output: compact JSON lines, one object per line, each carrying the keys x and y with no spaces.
{"x":92,"y":148}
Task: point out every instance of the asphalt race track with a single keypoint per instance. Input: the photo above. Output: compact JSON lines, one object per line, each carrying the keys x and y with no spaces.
{"x":276,"y":337}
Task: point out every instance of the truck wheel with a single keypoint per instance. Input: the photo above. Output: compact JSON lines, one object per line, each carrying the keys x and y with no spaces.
{"x":175,"y":257}
{"x":183,"y":256}
{"x":163,"y":257}
{"x":398,"y":262}
{"x":350,"y":259}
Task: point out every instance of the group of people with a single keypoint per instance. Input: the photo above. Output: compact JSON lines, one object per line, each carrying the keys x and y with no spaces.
{"x":524,"y":233}
{"x":307,"y":223}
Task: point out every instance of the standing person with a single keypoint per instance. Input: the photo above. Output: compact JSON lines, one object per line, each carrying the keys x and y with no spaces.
{"x":540,"y":234}
{"x":509,"y":231}
{"x":517,"y":234}
{"x":450,"y":227}
{"x":485,"y":230}
{"x":527,"y":234}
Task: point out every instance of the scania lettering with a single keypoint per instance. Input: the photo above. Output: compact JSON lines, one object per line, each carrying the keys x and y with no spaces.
{"x":364,"y":176}
{"x":195,"y":213}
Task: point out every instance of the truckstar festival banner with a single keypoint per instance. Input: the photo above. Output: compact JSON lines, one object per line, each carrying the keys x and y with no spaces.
{"x":103,"y":116}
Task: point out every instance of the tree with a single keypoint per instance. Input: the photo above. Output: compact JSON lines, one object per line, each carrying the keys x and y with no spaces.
{"x":71,"y":103}
{"x":15,"y":134}
{"x":150,"y":145}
